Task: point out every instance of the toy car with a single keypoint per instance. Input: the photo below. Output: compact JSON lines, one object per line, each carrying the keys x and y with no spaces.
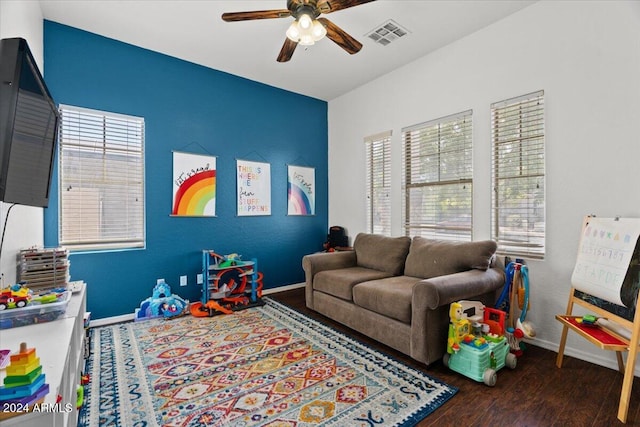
{"x":9,"y":299}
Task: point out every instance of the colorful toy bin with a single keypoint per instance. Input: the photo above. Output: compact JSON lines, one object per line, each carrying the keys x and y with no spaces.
{"x":38,"y":310}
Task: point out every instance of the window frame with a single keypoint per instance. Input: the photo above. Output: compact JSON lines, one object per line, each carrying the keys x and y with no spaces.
{"x":459,"y":226}
{"x":115,"y":142}
{"x":378,"y":165}
{"x":518,"y":124}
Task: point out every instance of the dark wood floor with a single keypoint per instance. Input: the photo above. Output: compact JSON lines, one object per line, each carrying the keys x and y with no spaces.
{"x":536,"y":393}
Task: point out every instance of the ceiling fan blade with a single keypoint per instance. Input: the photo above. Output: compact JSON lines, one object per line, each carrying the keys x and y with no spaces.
{"x":258,"y":14}
{"x":287,"y":50}
{"x":340,"y":37}
{"x":328,"y":6}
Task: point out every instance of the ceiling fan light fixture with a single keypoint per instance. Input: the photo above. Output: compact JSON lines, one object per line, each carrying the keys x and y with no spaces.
{"x":293,"y":33}
{"x":306,"y":40}
{"x":305,"y":22}
{"x":306,"y":31}
{"x":319,"y":31}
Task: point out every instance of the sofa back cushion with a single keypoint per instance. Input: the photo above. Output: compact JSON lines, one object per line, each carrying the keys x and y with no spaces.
{"x":431,"y":258}
{"x":382,"y":253}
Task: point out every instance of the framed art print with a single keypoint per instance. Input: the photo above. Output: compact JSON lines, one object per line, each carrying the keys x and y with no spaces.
{"x":254,"y":188}
{"x":301,"y":188}
{"x":194,"y":185}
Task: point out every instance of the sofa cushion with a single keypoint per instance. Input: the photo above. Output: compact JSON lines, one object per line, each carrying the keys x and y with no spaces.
{"x":390,"y":297}
{"x":381,"y":253}
{"x":431,"y":258}
{"x":340,"y":282}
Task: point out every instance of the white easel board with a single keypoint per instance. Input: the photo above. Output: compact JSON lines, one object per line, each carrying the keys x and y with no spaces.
{"x":606,"y":248}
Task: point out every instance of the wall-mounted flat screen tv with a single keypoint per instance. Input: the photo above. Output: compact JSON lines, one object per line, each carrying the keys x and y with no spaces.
{"x":28,"y":127}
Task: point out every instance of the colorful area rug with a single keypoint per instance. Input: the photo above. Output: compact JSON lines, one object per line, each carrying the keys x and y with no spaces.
{"x":264,"y":366}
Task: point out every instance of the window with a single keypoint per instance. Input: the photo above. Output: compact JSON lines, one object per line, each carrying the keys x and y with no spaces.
{"x":101,"y":180}
{"x":438,"y":178}
{"x":379,"y":183}
{"x":518,"y":200}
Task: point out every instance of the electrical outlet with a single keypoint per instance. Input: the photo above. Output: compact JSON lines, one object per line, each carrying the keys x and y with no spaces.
{"x":199,"y":279}
{"x":183,"y":280}
{"x":158,"y":281}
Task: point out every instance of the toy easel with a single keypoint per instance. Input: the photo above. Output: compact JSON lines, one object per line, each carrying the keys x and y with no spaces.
{"x":620,"y":334}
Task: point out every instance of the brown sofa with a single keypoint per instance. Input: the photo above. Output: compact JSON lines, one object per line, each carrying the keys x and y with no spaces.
{"x":397,"y":290}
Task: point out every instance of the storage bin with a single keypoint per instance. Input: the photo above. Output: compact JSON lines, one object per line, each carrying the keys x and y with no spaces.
{"x":34,"y":312}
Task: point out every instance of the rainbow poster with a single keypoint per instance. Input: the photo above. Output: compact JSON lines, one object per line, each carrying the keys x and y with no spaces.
{"x":194,"y":185}
{"x":301,"y":186}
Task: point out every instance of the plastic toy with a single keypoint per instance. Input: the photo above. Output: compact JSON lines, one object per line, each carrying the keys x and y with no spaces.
{"x":459,"y":328}
{"x":481,"y":354}
{"x":162,"y":303}
{"x":85,"y":379}
{"x":4,"y":358}
{"x":15,"y":296}
{"x":587,"y":320}
{"x":229,"y":284}
{"x":24,"y":384}
{"x":227,"y":303}
{"x":79,"y":397}
{"x":19,"y":296}
{"x":19,"y":289}
{"x":514,"y":300}
{"x":224,"y":261}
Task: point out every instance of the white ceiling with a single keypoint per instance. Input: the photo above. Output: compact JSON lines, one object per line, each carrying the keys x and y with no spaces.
{"x":193,"y":31}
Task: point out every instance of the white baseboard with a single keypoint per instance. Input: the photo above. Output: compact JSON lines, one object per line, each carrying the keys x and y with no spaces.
{"x":596,"y":359}
{"x":111,"y":320}
{"x":282,"y":288}
{"x":127,"y":317}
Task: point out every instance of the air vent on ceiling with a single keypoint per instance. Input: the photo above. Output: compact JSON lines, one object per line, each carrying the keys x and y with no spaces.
{"x":387,"y":32}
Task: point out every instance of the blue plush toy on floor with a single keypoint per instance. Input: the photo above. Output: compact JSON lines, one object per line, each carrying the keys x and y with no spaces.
{"x":162,"y":303}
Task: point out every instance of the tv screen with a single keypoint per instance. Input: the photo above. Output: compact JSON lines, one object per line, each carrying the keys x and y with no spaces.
{"x":28,"y":127}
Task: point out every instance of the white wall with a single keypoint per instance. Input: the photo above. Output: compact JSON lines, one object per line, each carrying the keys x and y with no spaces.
{"x":25,"y":224}
{"x":585,"y":55}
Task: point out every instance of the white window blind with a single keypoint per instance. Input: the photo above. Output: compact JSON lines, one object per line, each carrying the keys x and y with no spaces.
{"x":438,"y":178}
{"x":518,"y":172}
{"x":378,"y":148}
{"x":101,"y":159}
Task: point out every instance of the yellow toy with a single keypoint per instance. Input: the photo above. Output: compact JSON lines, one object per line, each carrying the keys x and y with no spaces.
{"x":459,"y":327}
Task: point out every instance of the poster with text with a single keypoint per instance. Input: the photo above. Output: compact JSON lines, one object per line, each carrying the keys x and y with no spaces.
{"x":254,"y":188}
{"x":194,"y":185}
{"x":301,"y":187}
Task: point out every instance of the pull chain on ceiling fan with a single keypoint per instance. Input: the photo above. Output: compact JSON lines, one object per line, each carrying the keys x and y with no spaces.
{"x":308,"y":27}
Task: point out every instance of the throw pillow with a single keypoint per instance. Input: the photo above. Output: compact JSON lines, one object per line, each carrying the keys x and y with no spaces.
{"x":431,"y":258}
{"x":381,"y":253}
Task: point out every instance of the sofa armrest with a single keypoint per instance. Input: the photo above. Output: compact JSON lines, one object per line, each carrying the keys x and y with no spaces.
{"x":430,"y":307}
{"x":315,"y":263}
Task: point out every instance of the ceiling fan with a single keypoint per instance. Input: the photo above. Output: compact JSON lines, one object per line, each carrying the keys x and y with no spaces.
{"x":308,"y":27}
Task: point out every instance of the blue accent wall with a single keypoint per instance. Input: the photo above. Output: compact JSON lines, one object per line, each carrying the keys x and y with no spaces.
{"x":190,"y":108}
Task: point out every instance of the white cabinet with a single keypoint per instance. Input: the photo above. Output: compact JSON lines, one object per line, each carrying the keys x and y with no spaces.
{"x":59,"y":345}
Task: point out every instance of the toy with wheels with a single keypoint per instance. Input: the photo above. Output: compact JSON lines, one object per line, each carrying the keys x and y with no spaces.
{"x":15,"y":296}
{"x":478,"y":356}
